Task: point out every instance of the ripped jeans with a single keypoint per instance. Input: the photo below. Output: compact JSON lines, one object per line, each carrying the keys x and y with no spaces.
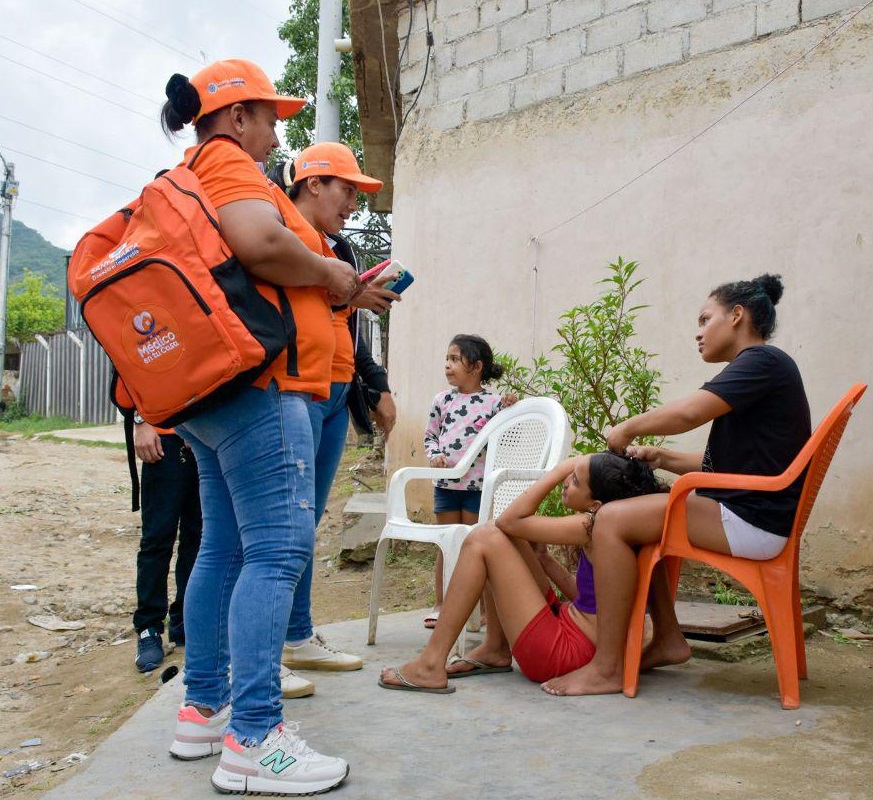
{"x":254,"y":454}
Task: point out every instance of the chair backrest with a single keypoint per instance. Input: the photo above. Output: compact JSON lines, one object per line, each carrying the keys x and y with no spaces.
{"x":819,"y":451}
{"x":532,"y":434}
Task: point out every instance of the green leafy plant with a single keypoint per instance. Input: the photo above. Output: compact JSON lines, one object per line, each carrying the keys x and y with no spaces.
{"x":595,"y":371}
{"x":728,"y":596}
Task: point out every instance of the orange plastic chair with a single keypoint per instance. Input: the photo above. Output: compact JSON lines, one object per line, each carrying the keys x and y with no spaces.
{"x":774,"y":583}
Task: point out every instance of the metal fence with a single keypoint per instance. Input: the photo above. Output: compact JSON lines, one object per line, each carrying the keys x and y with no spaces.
{"x":67,"y":374}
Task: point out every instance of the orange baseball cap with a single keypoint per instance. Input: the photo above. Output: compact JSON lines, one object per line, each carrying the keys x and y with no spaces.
{"x":335,"y":160}
{"x":236,"y":80}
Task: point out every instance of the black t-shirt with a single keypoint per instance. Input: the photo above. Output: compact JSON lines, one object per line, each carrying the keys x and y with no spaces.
{"x":765,"y":429}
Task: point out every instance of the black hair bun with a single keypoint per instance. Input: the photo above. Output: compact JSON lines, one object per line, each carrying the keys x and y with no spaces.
{"x":771,"y":285}
{"x":183,"y":98}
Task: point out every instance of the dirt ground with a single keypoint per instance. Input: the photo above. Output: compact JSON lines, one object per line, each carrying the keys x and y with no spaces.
{"x":66,"y":528}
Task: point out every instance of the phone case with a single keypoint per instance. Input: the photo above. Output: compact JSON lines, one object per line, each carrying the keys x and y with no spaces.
{"x":401,"y":282}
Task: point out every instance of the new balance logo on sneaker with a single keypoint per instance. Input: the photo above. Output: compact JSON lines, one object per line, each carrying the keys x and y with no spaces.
{"x":282,"y":764}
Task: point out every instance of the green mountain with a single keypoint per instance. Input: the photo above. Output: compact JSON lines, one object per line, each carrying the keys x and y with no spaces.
{"x":29,"y":250}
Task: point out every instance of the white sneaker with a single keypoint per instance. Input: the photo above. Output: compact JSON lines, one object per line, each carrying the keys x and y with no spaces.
{"x":282,"y":764}
{"x":293,"y":685}
{"x":198,"y":736}
{"x":318,"y":654}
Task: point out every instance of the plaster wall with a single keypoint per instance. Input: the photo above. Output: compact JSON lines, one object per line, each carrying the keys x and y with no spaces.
{"x":508,"y":222}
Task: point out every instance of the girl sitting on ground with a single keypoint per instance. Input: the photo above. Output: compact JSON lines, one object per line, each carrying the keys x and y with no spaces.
{"x":525,"y":619}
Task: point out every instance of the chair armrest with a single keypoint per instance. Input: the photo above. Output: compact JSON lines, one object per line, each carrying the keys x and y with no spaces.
{"x":396,"y":498}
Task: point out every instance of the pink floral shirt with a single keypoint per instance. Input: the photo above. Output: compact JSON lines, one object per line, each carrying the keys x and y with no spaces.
{"x":455,"y":419}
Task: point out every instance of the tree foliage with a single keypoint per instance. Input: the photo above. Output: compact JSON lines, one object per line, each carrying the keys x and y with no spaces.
{"x":301,"y":78}
{"x":597,"y":374}
{"x":33,"y":306}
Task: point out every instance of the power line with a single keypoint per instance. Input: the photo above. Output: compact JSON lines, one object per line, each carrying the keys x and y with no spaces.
{"x":141,"y":33}
{"x":71,"y":169}
{"x":57,"y":210}
{"x":56,"y":79}
{"x":705,"y":130}
{"x":76,"y":144}
{"x":77,"y":69}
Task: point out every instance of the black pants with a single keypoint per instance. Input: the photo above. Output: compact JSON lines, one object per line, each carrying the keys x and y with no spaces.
{"x":170,"y":503}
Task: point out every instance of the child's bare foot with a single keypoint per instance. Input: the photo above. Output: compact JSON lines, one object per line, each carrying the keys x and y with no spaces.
{"x":665,"y":653}
{"x":417,"y":673}
{"x":585,"y":680}
{"x":480,"y":655}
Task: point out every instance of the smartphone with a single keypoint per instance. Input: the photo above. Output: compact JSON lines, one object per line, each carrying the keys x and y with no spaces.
{"x":401,"y":281}
{"x":374,"y":272}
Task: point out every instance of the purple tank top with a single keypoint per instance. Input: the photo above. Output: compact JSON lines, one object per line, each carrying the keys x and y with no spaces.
{"x":585,"y":586}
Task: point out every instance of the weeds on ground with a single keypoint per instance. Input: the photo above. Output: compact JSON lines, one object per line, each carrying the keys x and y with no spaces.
{"x":728,"y":596}
{"x":15,"y":418}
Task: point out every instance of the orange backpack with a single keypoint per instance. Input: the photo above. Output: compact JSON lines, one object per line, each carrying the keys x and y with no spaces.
{"x":175,"y":311}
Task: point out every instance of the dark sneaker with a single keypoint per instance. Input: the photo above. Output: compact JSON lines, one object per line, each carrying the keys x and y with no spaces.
{"x":149,"y":650}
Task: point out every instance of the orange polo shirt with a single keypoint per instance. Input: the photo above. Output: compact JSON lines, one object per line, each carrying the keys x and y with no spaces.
{"x":312,"y":318}
{"x":343,"y":368}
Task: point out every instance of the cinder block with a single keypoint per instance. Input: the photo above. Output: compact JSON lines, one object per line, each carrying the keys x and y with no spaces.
{"x":664,"y":14}
{"x":563,"y":48}
{"x":459,"y":25}
{"x":417,"y":48}
{"x":592,"y":71}
{"x":489,"y":103}
{"x":526,"y":28}
{"x":410,"y":78}
{"x":475,"y":47}
{"x":777,"y":15}
{"x":720,"y":6}
{"x":611,"y":6}
{"x":493,"y":12}
{"x":537,"y":88}
{"x":446,"y":8}
{"x":504,"y":67}
{"x":458,"y":83}
{"x":566,"y":14}
{"x":446,"y":115}
{"x":651,"y":52}
{"x":816,"y":9}
{"x":621,"y":28}
{"x":724,"y":30}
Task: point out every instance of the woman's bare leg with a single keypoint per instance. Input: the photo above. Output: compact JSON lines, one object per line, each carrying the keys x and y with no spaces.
{"x":621,"y":527}
{"x":486,"y":555}
{"x":495,"y":649}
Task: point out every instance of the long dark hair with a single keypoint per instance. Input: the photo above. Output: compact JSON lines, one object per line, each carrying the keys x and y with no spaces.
{"x":758,"y":296}
{"x":615,"y":477}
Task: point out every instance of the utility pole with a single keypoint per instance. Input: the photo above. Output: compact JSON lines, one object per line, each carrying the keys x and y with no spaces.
{"x":8,"y":192}
{"x":327,"y":110}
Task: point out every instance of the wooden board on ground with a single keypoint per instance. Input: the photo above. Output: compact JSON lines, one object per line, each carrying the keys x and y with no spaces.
{"x":713,"y":622}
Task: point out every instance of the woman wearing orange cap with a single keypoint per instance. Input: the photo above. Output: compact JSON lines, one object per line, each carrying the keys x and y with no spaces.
{"x":323,"y":184}
{"x":254,"y":453}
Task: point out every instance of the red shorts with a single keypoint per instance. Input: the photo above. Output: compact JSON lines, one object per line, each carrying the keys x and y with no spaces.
{"x":552,"y":644}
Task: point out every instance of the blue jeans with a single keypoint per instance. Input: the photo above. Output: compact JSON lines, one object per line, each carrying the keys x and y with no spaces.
{"x":254,"y":455}
{"x":330,"y":425}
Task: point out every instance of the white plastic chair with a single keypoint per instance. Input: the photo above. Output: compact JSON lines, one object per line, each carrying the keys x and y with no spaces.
{"x":533,"y":435}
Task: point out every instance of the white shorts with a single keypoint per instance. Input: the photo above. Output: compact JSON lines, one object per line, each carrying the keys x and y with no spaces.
{"x":747,"y":541}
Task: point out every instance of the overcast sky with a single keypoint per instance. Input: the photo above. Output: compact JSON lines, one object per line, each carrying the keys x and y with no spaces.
{"x":79,"y":76}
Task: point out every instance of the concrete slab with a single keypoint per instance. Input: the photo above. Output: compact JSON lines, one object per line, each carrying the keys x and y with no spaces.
{"x":366,"y":503}
{"x":499,"y":737}
{"x":101,"y":433}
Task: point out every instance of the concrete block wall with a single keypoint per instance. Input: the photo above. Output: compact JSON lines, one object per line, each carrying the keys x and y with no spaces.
{"x":492,"y":57}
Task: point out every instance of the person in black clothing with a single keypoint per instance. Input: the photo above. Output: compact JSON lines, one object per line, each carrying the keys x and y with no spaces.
{"x":760,"y":422}
{"x":170,"y":505}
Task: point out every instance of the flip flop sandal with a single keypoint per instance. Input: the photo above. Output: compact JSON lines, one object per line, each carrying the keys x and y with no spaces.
{"x":407,"y":685}
{"x":478,"y":668}
{"x":430,"y":619}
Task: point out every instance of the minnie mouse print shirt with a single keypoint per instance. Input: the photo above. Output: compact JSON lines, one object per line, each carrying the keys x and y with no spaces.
{"x":455,"y":419}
